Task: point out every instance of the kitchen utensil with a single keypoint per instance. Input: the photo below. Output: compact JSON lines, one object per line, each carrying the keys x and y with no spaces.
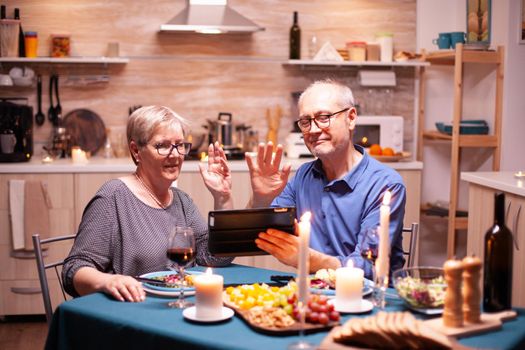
{"x":58,"y":107}
{"x":51,"y":115}
{"x":39,"y":116}
{"x":86,"y":129}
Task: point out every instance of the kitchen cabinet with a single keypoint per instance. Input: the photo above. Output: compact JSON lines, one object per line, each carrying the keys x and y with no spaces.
{"x":481,"y":217}
{"x":457,"y":59}
{"x":19,"y":284}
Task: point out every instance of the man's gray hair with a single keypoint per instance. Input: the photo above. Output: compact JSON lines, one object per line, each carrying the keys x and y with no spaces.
{"x":344,"y":93}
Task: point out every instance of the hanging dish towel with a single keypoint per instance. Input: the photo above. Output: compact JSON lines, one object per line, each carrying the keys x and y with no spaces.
{"x":36,"y":212}
{"x":16,"y":209}
{"x":29,"y":206}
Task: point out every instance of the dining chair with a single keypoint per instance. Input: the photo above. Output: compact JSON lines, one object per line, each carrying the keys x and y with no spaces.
{"x":38,"y":246}
{"x":413,"y":230}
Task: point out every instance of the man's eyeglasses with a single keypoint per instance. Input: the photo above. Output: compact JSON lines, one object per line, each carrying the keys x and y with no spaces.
{"x":321,"y":120}
{"x":165,"y":149}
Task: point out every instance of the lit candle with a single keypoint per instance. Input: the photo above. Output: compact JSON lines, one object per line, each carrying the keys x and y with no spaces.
{"x":348,"y":286}
{"x":208,"y":293}
{"x":304,"y":261}
{"x":382,"y":263}
{"x":78,"y":156}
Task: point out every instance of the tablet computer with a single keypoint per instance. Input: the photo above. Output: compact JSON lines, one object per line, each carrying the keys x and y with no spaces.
{"x":233,"y":232}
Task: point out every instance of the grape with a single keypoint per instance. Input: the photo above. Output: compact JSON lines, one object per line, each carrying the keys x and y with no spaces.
{"x":323,"y":318}
{"x":314,"y":317}
{"x":334,"y":316}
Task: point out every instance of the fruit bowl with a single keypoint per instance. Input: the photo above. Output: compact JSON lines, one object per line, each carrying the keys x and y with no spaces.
{"x":421,"y":287}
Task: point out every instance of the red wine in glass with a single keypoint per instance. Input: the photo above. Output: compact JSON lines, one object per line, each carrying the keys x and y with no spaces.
{"x":181,"y":252}
{"x":370,"y":254}
{"x":181,"y":256}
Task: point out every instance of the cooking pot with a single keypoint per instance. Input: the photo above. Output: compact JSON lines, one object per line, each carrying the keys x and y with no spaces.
{"x":221,"y":130}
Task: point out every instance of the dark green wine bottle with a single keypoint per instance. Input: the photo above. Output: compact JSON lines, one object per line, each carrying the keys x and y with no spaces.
{"x":497,"y":271}
{"x":21,"y":40}
{"x":295,"y":38}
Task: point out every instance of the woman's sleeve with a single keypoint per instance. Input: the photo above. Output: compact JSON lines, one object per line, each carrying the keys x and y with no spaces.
{"x":200,"y":229}
{"x":93,"y":245}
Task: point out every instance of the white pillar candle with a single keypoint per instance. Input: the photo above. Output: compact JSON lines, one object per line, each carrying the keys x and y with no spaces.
{"x":304,"y":261}
{"x":208,"y":293}
{"x":349,"y":287}
{"x":383,"y":256}
{"x":78,"y":156}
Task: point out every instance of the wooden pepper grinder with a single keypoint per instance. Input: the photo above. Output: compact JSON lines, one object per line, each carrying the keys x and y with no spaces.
{"x":452,"y":311}
{"x":471,"y":289}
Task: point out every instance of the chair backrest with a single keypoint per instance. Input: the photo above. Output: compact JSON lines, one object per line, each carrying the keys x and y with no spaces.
{"x":414,"y":233}
{"x":38,"y":246}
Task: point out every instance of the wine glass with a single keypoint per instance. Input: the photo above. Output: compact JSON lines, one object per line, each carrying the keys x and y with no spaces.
{"x":181,"y":252}
{"x":369,"y":252}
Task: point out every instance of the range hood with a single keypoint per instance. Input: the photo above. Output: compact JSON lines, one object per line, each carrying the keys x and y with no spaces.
{"x":210,"y":17}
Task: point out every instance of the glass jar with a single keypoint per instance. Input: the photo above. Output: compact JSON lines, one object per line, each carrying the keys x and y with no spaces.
{"x":60,"y":45}
{"x":386,"y":41}
{"x":356,"y":50}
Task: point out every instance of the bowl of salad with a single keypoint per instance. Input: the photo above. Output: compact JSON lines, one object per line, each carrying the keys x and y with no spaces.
{"x":422,"y":288}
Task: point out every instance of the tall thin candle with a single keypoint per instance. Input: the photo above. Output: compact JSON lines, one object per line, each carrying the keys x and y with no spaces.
{"x":304,"y":262}
{"x":382,"y":263}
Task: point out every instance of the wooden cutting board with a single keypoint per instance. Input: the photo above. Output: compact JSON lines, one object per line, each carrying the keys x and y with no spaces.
{"x":488,"y":322}
{"x":85,"y":129}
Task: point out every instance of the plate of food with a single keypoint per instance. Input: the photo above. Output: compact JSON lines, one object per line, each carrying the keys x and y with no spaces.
{"x":273,"y":310}
{"x":323,"y":282}
{"x":396,"y":157}
{"x":168,"y":283}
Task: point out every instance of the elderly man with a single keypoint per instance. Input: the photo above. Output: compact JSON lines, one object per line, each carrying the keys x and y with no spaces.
{"x":343,"y":188}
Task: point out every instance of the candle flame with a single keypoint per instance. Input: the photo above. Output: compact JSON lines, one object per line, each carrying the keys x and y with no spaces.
{"x":350,"y":263}
{"x":209,"y":272}
{"x":386,"y":198}
{"x":306,"y":216}
{"x":204,"y":157}
{"x":364,"y":140}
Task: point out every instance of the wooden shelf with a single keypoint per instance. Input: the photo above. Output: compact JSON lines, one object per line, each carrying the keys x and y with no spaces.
{"x":489,"y":141}
{"x":76,"y":60}
{"x":304,"y":63}
{"x":448,"y":57}
{"x":457,"y":59}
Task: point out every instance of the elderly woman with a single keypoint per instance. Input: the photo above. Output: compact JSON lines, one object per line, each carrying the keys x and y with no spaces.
{"x":124,"y":229}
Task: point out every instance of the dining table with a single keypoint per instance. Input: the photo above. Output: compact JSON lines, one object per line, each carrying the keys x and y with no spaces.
{"x":97,"y":321}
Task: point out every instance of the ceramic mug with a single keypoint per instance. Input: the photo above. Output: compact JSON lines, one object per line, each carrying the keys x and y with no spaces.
{"x":8,"y":142}
{"x":443,"y":41}
{"x":457,"y":37}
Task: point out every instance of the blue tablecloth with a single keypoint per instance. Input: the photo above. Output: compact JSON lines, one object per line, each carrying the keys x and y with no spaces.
{"x":98,"y":322}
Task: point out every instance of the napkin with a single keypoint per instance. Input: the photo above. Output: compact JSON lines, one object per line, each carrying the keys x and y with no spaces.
{"x":328,"y":53}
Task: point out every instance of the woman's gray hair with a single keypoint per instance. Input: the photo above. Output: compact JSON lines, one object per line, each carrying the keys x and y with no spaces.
{"x":143,"y":122}
{"x":345,"y":97}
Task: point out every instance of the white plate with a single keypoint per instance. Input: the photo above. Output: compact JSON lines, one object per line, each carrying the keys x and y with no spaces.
{"x":166,"y":291}
{"x":190,"y":314}
{"x":365,"y":306}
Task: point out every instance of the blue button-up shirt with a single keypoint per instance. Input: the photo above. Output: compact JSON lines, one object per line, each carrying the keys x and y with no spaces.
{"x":343,"y":209}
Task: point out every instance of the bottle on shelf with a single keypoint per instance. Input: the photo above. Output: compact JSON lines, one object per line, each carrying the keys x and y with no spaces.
{"x":295,"y":38}
{"x":2,"y":12}
{"x":21,"y":36}
{"x":497,"y":269}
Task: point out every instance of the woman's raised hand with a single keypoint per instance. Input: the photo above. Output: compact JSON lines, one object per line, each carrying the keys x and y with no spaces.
{"x":217,"y":177}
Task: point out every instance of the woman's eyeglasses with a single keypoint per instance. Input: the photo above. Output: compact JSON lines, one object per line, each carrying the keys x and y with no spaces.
{"x":165,"y":149}
{"x":321,"y":120}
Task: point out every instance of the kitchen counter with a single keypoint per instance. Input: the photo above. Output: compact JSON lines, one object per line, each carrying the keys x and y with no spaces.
{"x":504,"y":181}
{"x":123,"y":165}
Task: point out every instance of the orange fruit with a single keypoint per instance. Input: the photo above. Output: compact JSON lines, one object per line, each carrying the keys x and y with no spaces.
{"x":375,"y":150}
{"x":387,"y":151}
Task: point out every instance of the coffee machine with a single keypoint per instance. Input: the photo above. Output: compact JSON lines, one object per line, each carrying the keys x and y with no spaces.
{"x":16,"y":131}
